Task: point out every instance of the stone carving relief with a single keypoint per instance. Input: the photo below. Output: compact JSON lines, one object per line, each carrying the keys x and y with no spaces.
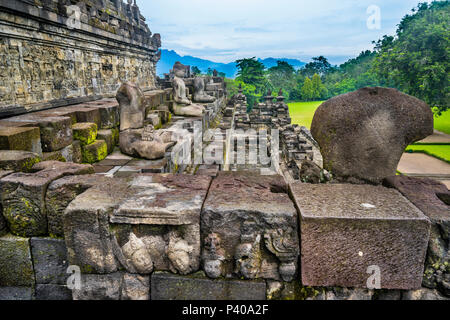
{"x":213,"y":256}
{"x":137,"y":256}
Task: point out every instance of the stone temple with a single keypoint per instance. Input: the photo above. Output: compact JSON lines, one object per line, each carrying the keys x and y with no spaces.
{"x":116,"y":184}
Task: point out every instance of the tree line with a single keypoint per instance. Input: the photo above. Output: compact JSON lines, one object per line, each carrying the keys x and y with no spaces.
{"x":415,"y":61}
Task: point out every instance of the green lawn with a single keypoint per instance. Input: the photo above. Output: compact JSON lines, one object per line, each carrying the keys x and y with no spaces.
{"x":302,"y":113}
{"x":442,"y":123}
{"x":438,"y":151}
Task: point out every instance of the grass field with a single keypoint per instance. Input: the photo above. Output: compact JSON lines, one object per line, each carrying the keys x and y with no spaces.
{"x":441,"y":152}
{"x":302,"y":113}
{"x":442,"y":123}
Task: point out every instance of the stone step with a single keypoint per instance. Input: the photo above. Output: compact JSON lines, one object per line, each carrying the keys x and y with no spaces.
{"x":20,"y":138}
{"x":18,"y":161}
{"x":85,"y":132}
{"x":94,"y":152}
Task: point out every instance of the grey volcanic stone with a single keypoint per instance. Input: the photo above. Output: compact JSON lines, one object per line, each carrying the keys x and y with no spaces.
{"x":3,"y":223}
{"x":249,"y":228}
{"x":131,"y":143}
{"x":423,"y":294}
{"x":23,"y":195}
{"x":165,"y":286}
{"x":16,"y":293}
{"x":163,"y":199}
{"x":18,"y":138}
{"x":108,"y":136}
{"x":49,"y":260}
{"x":363,"y":134}
{"x":163,"y":211}
{"x":61,"y":193}
{"x":310,"y":172}
{"x":346,"y":229}
{"x":52,"y":292}
{"x":15,"y":160}
{"x":99,"y":287}
{"x":56,"y":132}
{"x":89,"y":241}
{"x":109,"y":113}
{"x":135,"y":287}
{"x":199,"y":91}
{"x":16,"y":268}
{"x":426,"y":195}
{"x":132,"y":106}
{"x":115,"y":286}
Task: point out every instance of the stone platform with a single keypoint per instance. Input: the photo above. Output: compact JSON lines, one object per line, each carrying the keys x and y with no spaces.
{"x":348,"y":231}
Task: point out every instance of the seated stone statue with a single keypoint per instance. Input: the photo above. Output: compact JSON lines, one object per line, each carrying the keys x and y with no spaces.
{"x":135,"y":140}
{"x":145,"y":143}
{"x":182,"y":105}
{"x":132,"y":106}
{"x":199,"y":91}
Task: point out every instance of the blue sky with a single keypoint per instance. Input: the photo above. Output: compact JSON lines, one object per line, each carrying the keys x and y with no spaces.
{"x":226,"y":30}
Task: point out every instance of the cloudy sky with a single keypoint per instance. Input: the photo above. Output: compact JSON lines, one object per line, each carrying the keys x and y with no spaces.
{"x":226,"y":30}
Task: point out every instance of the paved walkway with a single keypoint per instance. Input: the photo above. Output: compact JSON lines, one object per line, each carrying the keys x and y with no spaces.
{"x":418,"y":163}
{"x":437,"y":137}
{"x":424,"y":166}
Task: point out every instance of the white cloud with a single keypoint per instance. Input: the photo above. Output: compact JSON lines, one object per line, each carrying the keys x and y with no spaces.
{"x":225,"y":30}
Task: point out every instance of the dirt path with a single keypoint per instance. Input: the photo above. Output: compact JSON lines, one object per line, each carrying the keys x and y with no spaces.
{"x":422,"y":165}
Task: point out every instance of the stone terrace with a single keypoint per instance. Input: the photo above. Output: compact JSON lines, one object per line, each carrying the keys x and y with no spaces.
{"x":75,"y":195}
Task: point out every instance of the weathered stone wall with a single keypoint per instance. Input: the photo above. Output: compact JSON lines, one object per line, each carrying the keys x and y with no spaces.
{"x":45,"y":62}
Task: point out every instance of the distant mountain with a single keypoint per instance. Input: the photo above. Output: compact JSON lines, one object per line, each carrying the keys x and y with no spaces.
{"x":272,"y":62}
{"x":169,"y":57}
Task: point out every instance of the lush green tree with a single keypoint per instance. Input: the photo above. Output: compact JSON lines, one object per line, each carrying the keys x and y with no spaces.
{"x":251,"y":71}
{"x":307,"y":90}
{"x":282,"y":76}
{"x":196,"y":70}
{"x":417,"y":59}
{"x":319,"y":65}
{"x":319,"y":90}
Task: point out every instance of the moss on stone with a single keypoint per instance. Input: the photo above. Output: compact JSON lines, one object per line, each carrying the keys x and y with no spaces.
{"x":85,"y":132}
{"x":94,"y":152}
{"x":116,"y":134}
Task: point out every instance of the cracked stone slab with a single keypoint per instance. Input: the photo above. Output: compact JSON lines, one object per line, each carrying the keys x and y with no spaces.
{"x":23,"y":195}
{"x":90,"y":244}
{"x":350,"y":232}
{"x":428,"y":196}
{"x":249,"y":228}
{"x":61,"y":193}
{"x":49,"y":261}
{"x":163,"y":199}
